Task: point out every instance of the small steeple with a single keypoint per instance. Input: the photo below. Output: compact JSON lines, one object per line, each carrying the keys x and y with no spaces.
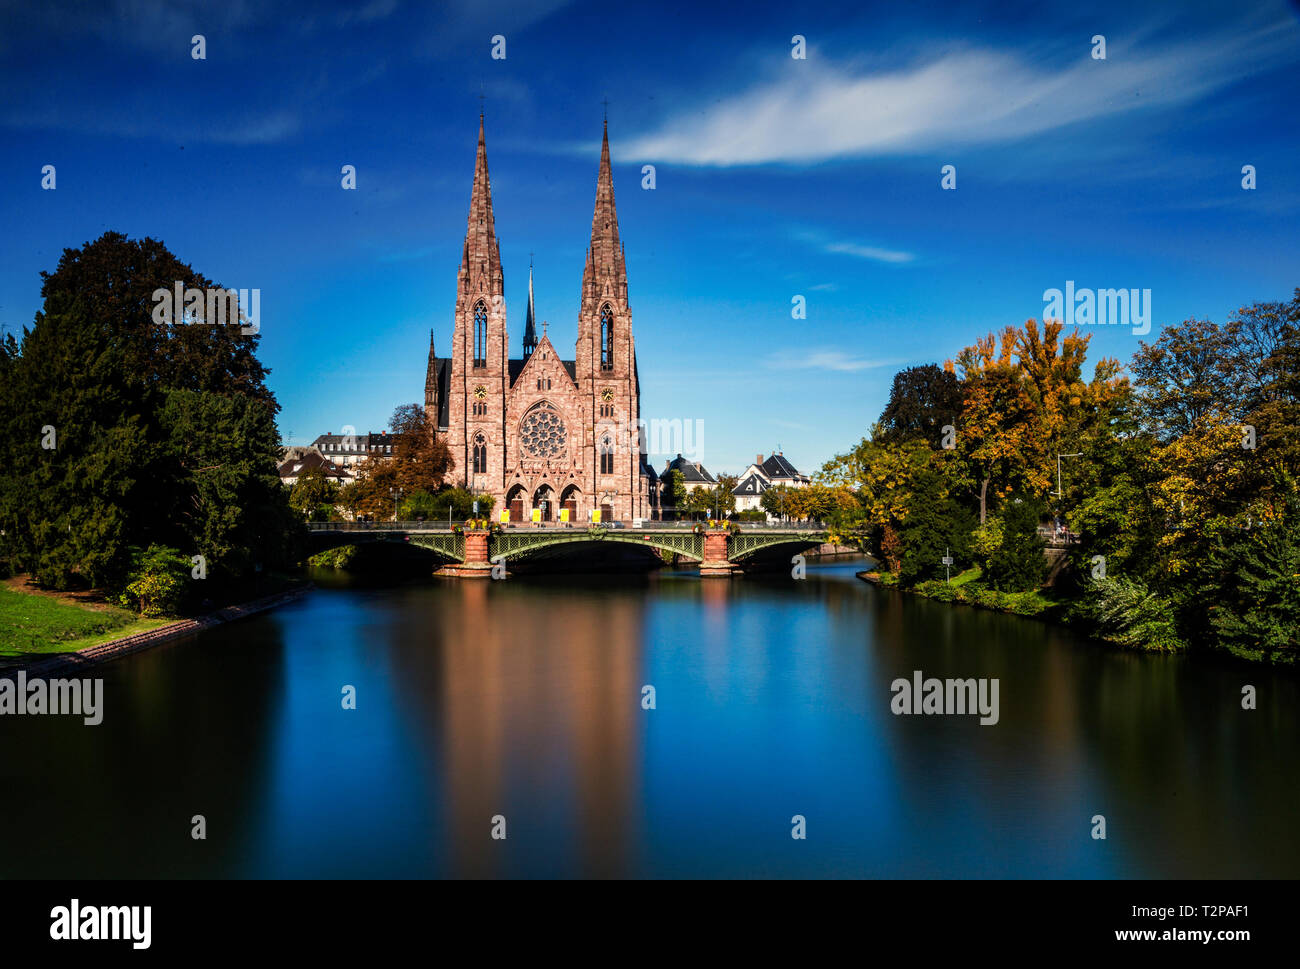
{"x":431,"y":382}
{"x":530,"y":331}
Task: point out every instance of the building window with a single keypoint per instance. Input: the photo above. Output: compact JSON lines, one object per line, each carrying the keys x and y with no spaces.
{"x":606,"y":338}
{"x":480,"y":454}
{"x":606,"y":456}
{"x":480,"y":334}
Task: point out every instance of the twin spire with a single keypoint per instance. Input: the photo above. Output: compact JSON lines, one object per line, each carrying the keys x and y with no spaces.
{"x":481,"y":262}
{"x":605,"y":273}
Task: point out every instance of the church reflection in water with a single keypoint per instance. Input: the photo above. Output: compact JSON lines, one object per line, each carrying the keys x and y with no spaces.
{"x":538,"y":719}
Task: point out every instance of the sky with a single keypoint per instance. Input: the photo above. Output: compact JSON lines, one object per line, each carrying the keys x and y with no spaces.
{"x":776,"y":177}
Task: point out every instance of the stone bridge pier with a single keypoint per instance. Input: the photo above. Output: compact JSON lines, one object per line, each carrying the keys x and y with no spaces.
{"x":477,"y":564}
{"x":717,"y":558}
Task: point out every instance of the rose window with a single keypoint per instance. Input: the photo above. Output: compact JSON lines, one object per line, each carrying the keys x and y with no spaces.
{"x":542,"y":433}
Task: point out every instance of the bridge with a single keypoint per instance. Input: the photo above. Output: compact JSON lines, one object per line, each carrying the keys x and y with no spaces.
{"x":472,"y":552}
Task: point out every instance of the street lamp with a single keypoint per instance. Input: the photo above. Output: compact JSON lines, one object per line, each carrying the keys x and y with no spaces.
{"x":1058,"y":469}
{"x":397,"y":494}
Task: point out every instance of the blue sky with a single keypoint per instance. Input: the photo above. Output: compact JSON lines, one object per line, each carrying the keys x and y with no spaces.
{"x":775,"y":177}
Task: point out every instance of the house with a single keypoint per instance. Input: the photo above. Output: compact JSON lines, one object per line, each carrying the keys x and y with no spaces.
{"x":694,"y":474}
{"x":352,"y":449}
{"x":296,"y":464}
{"x":763,"y":474}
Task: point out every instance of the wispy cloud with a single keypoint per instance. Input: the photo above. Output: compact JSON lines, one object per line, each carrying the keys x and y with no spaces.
{"x":869,"y":252}
{"x":817,"y":110}
{"x":852,"y":247}
{"x":825,"y":359}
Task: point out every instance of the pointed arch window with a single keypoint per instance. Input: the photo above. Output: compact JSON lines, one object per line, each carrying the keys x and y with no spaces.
{"x":480,"y":454}
{"x":480,"y":334}
{"x":606,"y":456}
{"x":606,"y":338}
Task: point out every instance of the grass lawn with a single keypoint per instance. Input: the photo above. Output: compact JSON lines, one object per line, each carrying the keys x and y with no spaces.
{"x":36,"y":624}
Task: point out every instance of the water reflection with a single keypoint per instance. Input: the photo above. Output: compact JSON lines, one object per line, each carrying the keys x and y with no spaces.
{"x":522,"y":699}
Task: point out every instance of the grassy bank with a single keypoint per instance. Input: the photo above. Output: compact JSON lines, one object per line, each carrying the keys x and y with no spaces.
{"x":32,"y":623}
{"x":967,"y":588}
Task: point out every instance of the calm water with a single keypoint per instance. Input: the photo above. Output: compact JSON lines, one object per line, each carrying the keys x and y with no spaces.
{"x":522,"y":699}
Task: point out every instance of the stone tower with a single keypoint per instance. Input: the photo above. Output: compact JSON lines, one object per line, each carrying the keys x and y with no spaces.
{"x":606,"y":357}
{"x":480,"y":348}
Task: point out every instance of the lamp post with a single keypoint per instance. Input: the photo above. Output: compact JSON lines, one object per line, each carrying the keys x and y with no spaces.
{"x":1058,"y":469}
{"x":397,"y":494}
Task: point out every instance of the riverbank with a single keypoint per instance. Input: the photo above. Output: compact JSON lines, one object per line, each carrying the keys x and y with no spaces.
{"x":1043,"y":604}
{"x":45,"y":662}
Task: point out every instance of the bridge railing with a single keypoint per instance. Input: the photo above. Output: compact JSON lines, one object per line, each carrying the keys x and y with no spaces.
{"x":384,"y":526}
{"x":437,"y":526}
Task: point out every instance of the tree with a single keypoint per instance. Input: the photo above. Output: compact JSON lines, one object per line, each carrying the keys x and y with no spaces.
{"x":922,"y":400}
{"x":422,"y":460}
{"x":125,"y":433}
{"x":310,"y":491}
{"x":1185,"y":379}
{"x":155,"y":584}
{"x":994,"y":438}
{"x":936,"y":525}
{"x":674,"y":492}
{"x":1253,"y":583}
{"x":1018,"y":565}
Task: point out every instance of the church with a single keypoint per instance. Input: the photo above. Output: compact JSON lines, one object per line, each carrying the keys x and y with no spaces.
{"x":540,"y":433}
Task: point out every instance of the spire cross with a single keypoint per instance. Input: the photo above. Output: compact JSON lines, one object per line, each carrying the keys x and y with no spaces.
{"x":543,"y":328}
{"x":605,"y":102}
{"x":481,"y":97}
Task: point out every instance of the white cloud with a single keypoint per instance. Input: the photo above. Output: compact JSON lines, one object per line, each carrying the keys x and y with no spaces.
{"x":870,"y":252}
{"x":817,"y":110}
{"x":826,"y":360}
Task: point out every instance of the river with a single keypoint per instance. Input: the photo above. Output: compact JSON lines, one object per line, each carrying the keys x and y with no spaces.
{"x":523,"y":699}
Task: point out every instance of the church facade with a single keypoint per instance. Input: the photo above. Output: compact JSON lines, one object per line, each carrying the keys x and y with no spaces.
{"x":538,"y":431}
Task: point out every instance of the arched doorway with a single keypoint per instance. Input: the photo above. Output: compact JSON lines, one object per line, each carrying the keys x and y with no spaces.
{"x":569,"y":499}
{"x":606,"y":508}
{"x":544,"y":500}
{"x":515,"y":502}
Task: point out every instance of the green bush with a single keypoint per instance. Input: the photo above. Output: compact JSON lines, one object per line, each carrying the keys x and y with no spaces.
{"x":1125,"y":611}
{"x":334,"y":558}
{"x":155,"y":582}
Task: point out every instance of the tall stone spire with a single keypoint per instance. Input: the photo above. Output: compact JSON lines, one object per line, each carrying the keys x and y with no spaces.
{"x":530,"y":329}
{"x":605,"y":275}
{"x":480,"y":267}
{"x":480,"y":372}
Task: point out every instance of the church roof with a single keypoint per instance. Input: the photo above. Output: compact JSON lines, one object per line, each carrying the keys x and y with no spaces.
{"x":517,"y":367}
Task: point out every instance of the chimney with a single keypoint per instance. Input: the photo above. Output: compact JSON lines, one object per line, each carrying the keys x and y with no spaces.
{"x":758,"y":459}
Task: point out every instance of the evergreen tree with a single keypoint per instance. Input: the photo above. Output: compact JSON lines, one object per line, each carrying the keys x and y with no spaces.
{"x":1019,"y":564}
{"x":936,"y":525}
{"x":125,"y":433}
{"x":1254,"y":584}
